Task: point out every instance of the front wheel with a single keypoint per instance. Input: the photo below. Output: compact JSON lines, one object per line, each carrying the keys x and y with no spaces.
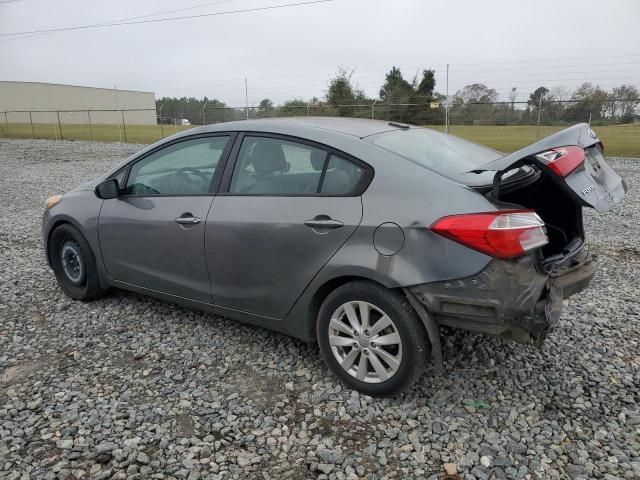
{"x":74,"y":264}
{"x":371,"y":338}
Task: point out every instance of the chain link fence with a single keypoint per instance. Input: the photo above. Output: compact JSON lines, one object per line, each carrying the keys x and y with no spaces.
{"x":503,"y":125}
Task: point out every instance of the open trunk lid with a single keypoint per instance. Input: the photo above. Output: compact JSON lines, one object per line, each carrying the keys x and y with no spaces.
{"x":574,"y":159}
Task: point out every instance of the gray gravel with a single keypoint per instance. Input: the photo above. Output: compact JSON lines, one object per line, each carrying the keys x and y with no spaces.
{"x":129,"y":386}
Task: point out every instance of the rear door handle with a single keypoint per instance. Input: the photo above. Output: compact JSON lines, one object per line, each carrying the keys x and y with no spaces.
{"x":188,"y":220}
{"x":323,"y":222}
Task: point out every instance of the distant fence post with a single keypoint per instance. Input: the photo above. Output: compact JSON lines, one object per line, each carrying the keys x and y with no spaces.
{"x":204,"y":113}
{"x":124,"y":126}
{"x":90,"y":125}
{"x":33,"y":133}
{"x":6,"y":122}
{"x":59,"y":126}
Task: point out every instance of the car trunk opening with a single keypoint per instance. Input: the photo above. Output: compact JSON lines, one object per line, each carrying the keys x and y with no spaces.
{"x":557,"y":177}
{"x":561,"y":215}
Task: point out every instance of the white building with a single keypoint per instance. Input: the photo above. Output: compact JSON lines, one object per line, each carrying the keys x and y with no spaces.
{"x":75,"y":104}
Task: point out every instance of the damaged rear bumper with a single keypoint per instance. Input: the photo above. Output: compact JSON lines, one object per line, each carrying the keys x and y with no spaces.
{"x":510,"y":298}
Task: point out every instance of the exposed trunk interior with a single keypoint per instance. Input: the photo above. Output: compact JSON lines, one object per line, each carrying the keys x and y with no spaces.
{"x":562,"y":216}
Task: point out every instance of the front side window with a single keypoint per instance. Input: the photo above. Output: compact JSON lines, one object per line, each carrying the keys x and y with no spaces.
{"x":184,"y":168}
{"x":277,"y":167}
{"x":120,"y":176}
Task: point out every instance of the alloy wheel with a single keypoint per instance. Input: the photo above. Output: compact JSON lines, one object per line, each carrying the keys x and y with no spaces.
{"x":365,"y":342}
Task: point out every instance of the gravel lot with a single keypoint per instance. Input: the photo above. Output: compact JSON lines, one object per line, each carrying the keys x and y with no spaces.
{"x":129,"y":386}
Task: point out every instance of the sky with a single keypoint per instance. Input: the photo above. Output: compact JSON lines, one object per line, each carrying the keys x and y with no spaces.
{"x":292,"y":52}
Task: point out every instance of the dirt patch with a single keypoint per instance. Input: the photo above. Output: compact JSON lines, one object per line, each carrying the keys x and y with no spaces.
{"x":17,"y":373}
{"x":255,"y":386}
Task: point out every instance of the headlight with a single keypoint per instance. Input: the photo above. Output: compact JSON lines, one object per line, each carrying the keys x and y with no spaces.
{"x":53,"y":201}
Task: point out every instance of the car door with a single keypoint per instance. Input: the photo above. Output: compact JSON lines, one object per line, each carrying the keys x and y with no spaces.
{"x":284,"y":209}
{"x":152,"y":235}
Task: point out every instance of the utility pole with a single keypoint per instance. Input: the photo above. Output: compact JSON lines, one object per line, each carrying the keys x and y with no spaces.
{"x":246,"y":97}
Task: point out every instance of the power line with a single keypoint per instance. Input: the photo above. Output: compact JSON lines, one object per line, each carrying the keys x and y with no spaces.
{"x":164,"y":12}
{"x":168,"y":19}
{"x":550,"y":60}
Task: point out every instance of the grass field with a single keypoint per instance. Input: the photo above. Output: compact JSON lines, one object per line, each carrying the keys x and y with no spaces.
{"x":619,"y":140}
{"x":98,"y":133}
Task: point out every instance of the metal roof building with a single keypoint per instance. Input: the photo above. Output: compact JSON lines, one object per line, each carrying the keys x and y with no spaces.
{"x":44,"y":102}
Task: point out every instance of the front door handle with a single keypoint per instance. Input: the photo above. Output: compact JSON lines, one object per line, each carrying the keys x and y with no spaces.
{"x":187,"y":219}
{"x":323,"y":222}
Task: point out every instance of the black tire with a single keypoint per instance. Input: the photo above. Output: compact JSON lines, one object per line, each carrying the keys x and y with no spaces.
{"x":414,"y":347}
{"x":85,"y":285}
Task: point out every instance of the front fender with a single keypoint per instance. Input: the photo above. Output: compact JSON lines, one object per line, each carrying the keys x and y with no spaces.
{"x":80,"y":208}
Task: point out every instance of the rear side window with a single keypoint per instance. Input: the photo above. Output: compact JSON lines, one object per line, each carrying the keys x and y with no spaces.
{"x":341,"y":177}
{"x":277,"y":167}
{"x":444,"y":153}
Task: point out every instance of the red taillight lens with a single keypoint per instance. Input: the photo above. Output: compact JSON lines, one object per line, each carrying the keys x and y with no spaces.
{"x":563,"y":160}
{"x":502,"y":234}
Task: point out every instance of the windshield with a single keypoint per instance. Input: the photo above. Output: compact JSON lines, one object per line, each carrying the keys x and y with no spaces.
{"x":442,"y":152}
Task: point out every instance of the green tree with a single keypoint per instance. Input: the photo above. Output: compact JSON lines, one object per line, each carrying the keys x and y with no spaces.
{"x":395,"y":88}
{"x":477,"y":92}
{"x":427,"y":84}
{"x":474,"y":103}
{"x":342,"y":93}
{"x":293,"y":108}
{"x":175,"y":109}
{"x":624,"y":100}
{"x":265,"y":108}
{"x":397,"y":92}
{"x":536,"y":96}
{"x":590,"y":102}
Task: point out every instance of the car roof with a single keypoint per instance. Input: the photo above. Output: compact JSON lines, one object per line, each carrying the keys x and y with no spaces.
{"x":357,"y":127}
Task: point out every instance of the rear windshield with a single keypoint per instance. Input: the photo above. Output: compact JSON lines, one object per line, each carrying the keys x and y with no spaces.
{"x":442,"y":152}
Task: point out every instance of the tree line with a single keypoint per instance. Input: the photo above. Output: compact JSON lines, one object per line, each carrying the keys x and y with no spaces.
{"x":416,"y":101}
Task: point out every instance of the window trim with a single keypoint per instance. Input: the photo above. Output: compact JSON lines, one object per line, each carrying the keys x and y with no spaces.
{"x":215,"y":180}
{"x":358,"y":189}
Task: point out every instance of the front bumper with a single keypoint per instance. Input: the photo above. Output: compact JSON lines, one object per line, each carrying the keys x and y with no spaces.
{"x":510,"y":298}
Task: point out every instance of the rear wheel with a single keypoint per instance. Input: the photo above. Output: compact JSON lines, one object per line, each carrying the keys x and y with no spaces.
{"x":74,"y":264}
{"x":371,"y":338}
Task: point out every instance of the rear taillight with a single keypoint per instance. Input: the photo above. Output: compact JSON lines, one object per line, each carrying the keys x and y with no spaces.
{"x":502,"y":234}
{"x":562,"y":160}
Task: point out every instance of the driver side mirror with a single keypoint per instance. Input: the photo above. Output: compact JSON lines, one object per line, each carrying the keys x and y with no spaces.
{"x":108,"y":189}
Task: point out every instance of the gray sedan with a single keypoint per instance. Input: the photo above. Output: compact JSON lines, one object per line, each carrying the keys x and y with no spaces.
{"x":362,"y":235}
